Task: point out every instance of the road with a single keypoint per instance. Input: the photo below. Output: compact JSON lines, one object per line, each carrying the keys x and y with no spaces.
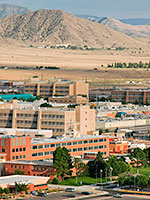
{"x":63,"y":196}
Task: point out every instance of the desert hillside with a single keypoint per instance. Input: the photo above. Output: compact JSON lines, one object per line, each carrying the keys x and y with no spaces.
{"x":53,"y":27}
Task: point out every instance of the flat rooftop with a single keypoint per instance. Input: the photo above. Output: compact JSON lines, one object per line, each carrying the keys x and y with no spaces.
{"x":51,"y":140}
{"x":20,"y":178}
{"x":30,"y":162}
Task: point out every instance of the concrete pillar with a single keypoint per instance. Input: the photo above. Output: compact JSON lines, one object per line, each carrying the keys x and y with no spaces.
{"x":39,"y":119}
{"x":127,"y":96}
{"x":144,"y":97}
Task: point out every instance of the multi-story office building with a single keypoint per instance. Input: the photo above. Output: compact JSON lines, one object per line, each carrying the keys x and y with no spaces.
{"x":80,"y":119}
{"x":25,"y":148}
{"x":57,"y":88}
{"x":127,"y":96}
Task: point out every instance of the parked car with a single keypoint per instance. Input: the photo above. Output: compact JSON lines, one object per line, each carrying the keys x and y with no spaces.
{"x":117,"y":195}
{"x":86,"y":193}
{"x":71,"y":195}
{"x":42,"y":194}
{"x":69,"y":190}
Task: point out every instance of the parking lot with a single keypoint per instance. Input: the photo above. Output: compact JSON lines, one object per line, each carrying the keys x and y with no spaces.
{"x":63,"y":195}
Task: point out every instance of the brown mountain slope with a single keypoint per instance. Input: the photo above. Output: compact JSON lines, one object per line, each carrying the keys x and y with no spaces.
{"x":59,"y":27}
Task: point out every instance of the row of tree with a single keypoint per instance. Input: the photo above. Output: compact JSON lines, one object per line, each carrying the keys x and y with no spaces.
{"x":132,"y":180}
{"x":129,"y":65}
{"x":64,"y":164}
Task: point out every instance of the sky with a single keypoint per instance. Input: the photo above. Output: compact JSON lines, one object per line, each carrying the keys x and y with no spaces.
{"x":111,"y":8}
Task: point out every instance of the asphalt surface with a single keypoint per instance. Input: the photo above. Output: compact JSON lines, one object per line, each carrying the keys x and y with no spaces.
{"x":63,"y":196}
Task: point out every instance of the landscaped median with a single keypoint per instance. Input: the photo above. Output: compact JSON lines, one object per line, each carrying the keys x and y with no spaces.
{"x":133,"y":192}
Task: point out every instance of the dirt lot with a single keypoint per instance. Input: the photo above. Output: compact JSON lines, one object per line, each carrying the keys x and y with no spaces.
{"x":73,"y":64}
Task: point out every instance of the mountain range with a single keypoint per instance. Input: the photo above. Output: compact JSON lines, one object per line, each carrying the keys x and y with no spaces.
{"x":8,"y":9}
{"x":58,"y":27}
{"x":124,"y":25}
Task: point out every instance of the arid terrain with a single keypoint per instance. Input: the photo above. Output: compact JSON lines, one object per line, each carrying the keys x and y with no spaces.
{"x":74,"y":64}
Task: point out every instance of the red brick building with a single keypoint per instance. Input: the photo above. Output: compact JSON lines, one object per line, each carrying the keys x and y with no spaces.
{"x":25,"y":148}
{"x":32,"y":168}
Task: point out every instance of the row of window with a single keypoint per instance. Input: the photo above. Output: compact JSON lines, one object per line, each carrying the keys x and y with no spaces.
{"x":19,"y":149}
{"x":70,"y":150}
{"x":18,"y":142}
{"x":53,"y":116}
{"x":69,"y":143}
{"x":26,"y":122}
{"x":18,"y":157}
{"x":52,"y":123}
{"x":62,"y":87}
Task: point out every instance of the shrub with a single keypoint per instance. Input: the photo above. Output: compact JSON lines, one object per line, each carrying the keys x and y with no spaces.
{"x":55,"y":181}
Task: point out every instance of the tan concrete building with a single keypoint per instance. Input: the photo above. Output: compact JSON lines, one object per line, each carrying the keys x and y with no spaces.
{"x":56,"y":88}
{"x":69,"y":99}
{"x":80,"y":120}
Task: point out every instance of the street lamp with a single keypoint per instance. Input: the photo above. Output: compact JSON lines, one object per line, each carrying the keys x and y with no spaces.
{"x":134,"y":181}
{"x":96,"y":174}
{"x":101,"y":175}
{"x":111,"y":170}
{"x":106,"y":175}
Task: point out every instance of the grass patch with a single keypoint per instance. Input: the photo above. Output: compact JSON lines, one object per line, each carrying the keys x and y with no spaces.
{"x":85,"y":181}
{"x":143,"y":171}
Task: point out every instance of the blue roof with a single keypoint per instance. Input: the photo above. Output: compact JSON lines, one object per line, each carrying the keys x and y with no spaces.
{"x":18,"y":96}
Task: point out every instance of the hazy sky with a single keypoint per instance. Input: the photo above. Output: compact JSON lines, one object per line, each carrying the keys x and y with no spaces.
{"x":111,"y":8}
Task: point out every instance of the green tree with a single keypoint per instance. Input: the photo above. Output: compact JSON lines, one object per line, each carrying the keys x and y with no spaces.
{"x":62,"y":162}
{"x":118,"y":165}
{"x":96,"y":165}
{"x":138,"y":158}
{"x":122,"y":180}
{"x":19,"y":187}
{"x":147,"y":153}
{"x":31,"y":99}
{"x":45,"y":105}
{"x":22,"y":99}
{"x":55,"y":181}
{"x":38,"y":97}
{"x":142,"y":181}
{"x":1,"y":190}
{"x":20,"y":172}
{"x":130,"y":180}
{"x":6,"y":190}
{"x":79,"y":167}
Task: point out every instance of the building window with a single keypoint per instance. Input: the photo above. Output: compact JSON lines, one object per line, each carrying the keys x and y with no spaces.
{"x":20,"y":157}
{"x":16,"y":157}
{"x":3,"y":150}
{"x":13,"y":157}
{"x":11,"y":166}
{"x":47,"y":146}
{"x":20,"y":149}
{"x":74,"y":143}
{"x":85,"y":141}
{"x":23,"y":167}
{"x":19,"y":167}
{"x":13,"y":150}
{"x":69,"y":143}
{"x":34,"y":147}
{"x":24,"y":156}
{"x":17,"y":150}
{"x":3,"y":142}
{"x":20,"y":141}
{"x":24,"y":149}
{"x":24,"y":141}
{"x":79,"y":142}
{"x":15,"y":166}
{"x":17,"y":142}
{"x":13,"y":142}
{"x":40,"y":154}
{"x":52,"y":145}
{"x":40,"y":147}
